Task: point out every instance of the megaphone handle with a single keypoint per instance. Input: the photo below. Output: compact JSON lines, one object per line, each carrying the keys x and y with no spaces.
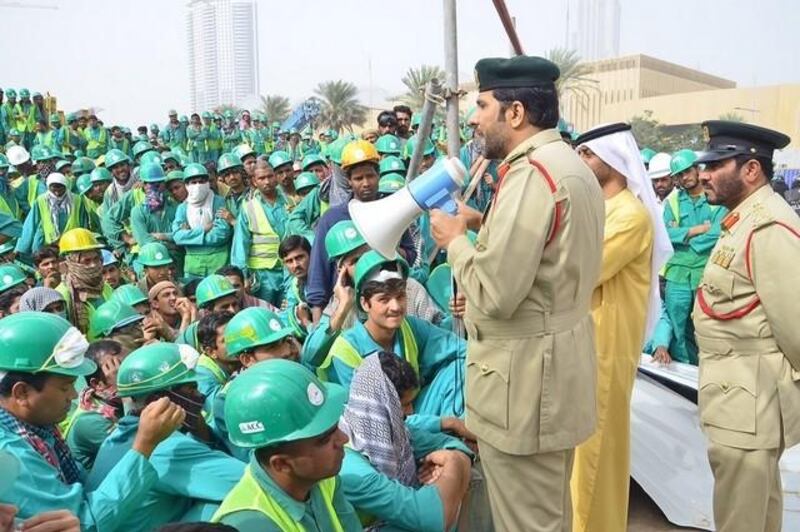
{"x":450,"y":207}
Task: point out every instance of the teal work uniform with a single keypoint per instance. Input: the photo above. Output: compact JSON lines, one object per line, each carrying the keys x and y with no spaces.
{"x":144,"y":223}
{"x":211,"y":377}
{"x":85,"y":432}
{"x":173,"y":137}
{"x":685,"y":268}
{"x":213,"y":142}
{"x":107,"y":505}
{"x":662,"y":334}
{"x":117,"y":214}
{"x":75,"y":140}
{"x":49,"y":138}
{"x":206,"y":252}
{"x":196,"y":144}
{"x":440,"y":361}
{"x":123,"y":145}
{"x":233,"y":202}
{"x":294,"y":293}
{"x":96,"y":141}
{"x":193,"y":479}
{"x":231,"y":139}
{"x":33,"y":234}
{"x":13,"y":201}
{"x":377,"y":497}
{"x":304,"y":217}
{"x":271,"y":279}
{"x":312,"y":515}
{"x":30,"y":188}
{"x":257,"y":138}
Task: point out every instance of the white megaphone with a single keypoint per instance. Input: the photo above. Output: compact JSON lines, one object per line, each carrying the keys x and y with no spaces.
{"x":382,"y":222}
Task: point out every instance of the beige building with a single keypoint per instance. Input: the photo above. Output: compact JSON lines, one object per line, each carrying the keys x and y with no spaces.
{"x":628,"y":86}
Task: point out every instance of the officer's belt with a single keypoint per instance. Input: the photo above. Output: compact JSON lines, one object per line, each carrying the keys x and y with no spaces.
{"x":526,"y":324}
{"x":739,"y":346}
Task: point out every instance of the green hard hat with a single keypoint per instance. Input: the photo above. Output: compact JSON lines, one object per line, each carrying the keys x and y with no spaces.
{"x":150,"y":157}
{"x":151,"y":173}
{"x":156,"y":367}
{"x":336,"y":148}
{"x":416,"y":119}
{"x":3,"y":161}
{"x":391,"y":183}
{"x":10,"y":276}
{"x":130,"y":294}
{"x":60,"y":164}
{"x":55,"y":119}
{"x":427,"y":147}
{"x":11,"y":93}
{"x":392,"y":165}
{"x":343,"y":238}
{"x":280,"y":401}
{"x":114,"y":157}
{"x":647,"y":154}
{"x":306,"y":180}
{"x":212,"y":288}
{"x":681,"y":160}
{"x":8,"y":246}
{"x":228,"y":113}
{"x":388,"y":144}
{"x":228,"y":161}
{"x":24,"y":93}
{"x":110,"y":316}
{"x":372,"y":260}
{"x":83,"y":165}
{"x":251,"y":328}
{"x":83,"y":183}
{"x":206,"y":114}
{"x":42,"y":153}
{"x":243,"y":150}
{"x":194,"y":170}
{"x":168,"y":155}
{"x":312,"y":159}
{"x":100,"y":175}
{"x":184,"y":119}
{"x":32,"y":342}
{"x":175,"y":175}
{"x":154,"y":254}
{"x":279,"y":158}
{"x":142,"y":147}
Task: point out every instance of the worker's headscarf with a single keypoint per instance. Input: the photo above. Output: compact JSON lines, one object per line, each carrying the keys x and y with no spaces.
{"x":85,"y":284}
{"x":619,"y":151}
{"x":36,"y":299}
{"x":373,"y":420}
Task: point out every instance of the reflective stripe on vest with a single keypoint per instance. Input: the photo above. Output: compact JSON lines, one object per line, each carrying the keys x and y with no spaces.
{"x":248,"y":495}
{"x":347,"y":354}
{"x":65,"y":427}
{"x":51,"y":232}
{"x":5,"y":208}
{"x":138,"y":199}
{"x":207,"y":362}
{"x":323,"y":207}
{"x":33,"y":189}
{"x":263,"y":253}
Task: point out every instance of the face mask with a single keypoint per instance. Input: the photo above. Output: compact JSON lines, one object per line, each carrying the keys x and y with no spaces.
{"x":197,"y":192}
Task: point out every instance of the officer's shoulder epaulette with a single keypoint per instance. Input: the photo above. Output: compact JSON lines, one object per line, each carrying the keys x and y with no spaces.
{"x":761,"y":215}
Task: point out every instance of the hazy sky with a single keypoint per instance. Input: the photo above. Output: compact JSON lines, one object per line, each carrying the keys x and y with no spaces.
{"x":129,"y":57}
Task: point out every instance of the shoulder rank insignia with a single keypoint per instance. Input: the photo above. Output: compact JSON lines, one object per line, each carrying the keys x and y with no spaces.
{"x":730,"y":220}
{"x":723,"y":256}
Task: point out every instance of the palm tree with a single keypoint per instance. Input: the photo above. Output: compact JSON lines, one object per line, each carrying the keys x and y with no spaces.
{"x":575,"y":77}
{"x":415,"y":81}
{"x":277,"y":108}
{"x":340,"y":106}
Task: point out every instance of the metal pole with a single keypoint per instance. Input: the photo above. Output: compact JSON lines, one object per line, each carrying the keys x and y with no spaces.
{"x":451,"y":77}
{"x":508,"y":24}
{"x":433,"y":90}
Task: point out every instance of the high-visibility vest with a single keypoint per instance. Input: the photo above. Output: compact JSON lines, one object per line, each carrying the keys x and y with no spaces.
{"x":97,"y":143}
{"x":5,"y":208}
{"x":247,"y":495}
{"x":346,"y":353}
{"x":207,"y":362}
{"x":263,"y":253}
{"x":33,"y":189}
{"x":138,"y":199}
{"x":51,"y":232}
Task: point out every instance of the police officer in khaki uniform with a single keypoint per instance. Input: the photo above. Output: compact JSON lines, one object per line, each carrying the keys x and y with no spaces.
{"x":528,"y":280}
{"x":745,"y":317}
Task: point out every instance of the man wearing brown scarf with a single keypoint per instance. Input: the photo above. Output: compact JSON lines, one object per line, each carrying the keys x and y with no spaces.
{"x":83,"y":287}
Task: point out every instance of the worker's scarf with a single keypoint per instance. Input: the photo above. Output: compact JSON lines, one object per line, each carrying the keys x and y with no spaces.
{"x":373,"y":420}
{"x":108,"y":405}
{"x":58,"y":455}
{"x":199,"y":205}
{"x":46,"y":168}
{"x":153,"y":197}
{"x":620,"y":151}
{"x":118,"y":190}
{"x":59,"y":206}
{"x":85,"y":284}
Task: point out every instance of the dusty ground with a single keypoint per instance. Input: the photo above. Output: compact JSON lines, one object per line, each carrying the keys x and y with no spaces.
{"x":644,"y":515}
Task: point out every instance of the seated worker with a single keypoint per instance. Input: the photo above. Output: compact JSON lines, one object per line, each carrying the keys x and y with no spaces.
{"x":204,"y":234}
{"x":167,"y":305}
{"x":132,"y":295}
{"x":157,"y":265}
{"x":214,"y":369}
{"x":379,"y":474}
{"x":279,"y":409}
{"x":99,"y":406}
{"x":112,"y":275}
{"x":47,"y":264}
{"x":242,"y":286}
{"x":83,"y":287}
{"x":41,"y":356}
{"x":41,"y":299}
{"x":215,"y":293}
{"x":193,"y":478}
{"x":294,"y":252}
{"x":12,"y":288}
{"x":251,"y":336}
{"x":435,"y":354}
{"x":304,"y":217}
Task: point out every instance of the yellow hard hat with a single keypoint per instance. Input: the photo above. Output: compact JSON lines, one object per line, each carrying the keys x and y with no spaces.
{"x":359,"y":151}
{"x":78,"y":239}
{"x":100,"y":161}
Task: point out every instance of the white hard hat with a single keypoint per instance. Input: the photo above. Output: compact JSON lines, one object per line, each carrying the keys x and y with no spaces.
{"x":56,"y":178}
{"x":659,"y":165}
{"x":18,"y":155}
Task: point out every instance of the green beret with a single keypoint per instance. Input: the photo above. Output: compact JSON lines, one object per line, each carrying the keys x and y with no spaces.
{"x":520,"y":71}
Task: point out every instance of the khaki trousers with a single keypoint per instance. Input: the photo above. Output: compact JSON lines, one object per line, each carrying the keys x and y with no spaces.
{"x":748,"y":496}
{"x":528,"y":493}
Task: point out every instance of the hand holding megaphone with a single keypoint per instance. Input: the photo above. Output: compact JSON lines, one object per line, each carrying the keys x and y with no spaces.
{"x":383,"y":222}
